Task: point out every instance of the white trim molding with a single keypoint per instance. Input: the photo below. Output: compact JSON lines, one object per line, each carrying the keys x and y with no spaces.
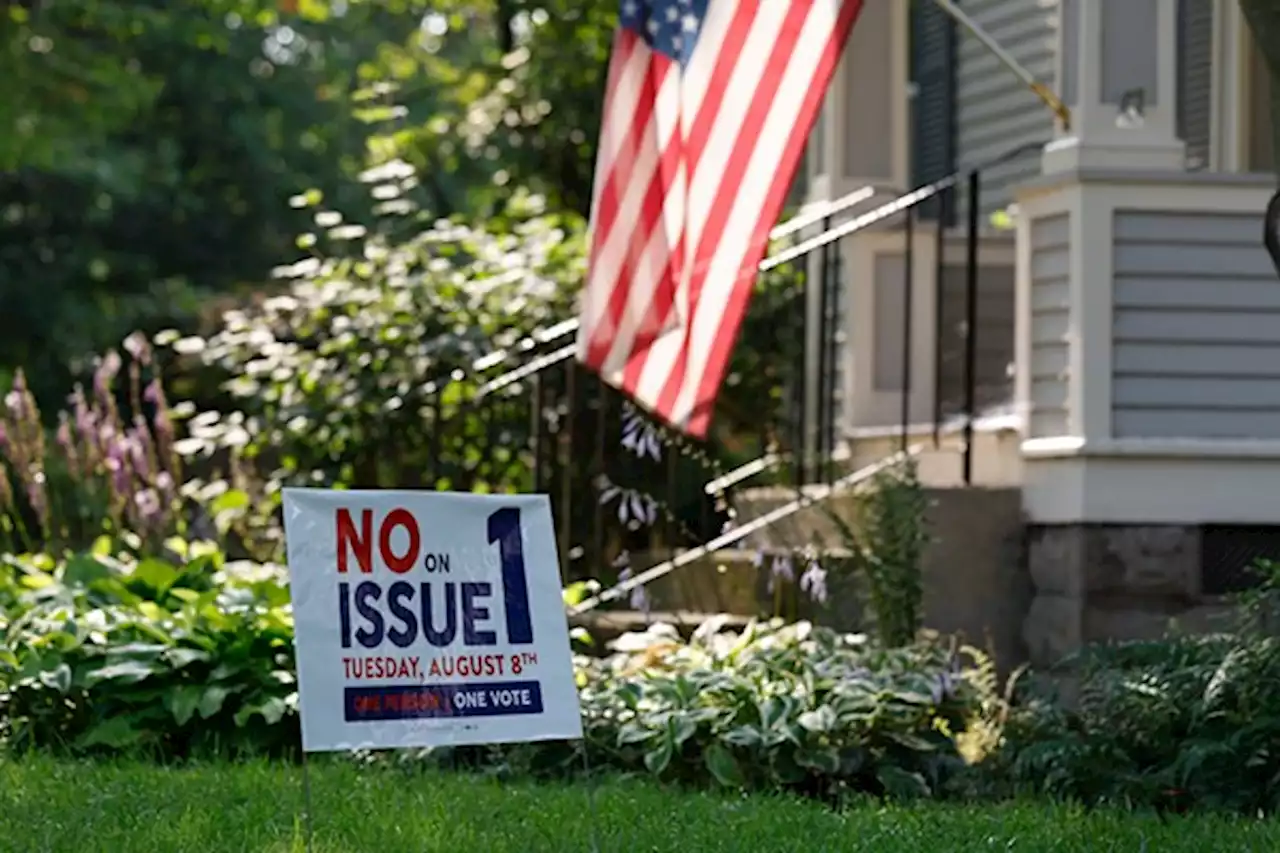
{"x":1227,"y":130}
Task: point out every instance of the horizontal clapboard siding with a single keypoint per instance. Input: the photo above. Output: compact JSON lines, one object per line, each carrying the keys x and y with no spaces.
{"x":1050,"y":326}
{"x":996,"y":112}
{"x":1196,"y":347}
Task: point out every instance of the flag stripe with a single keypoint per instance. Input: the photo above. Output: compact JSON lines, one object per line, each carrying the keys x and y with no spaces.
{"x":722,"y":68}
{"x":610,"y":135}
{"x":622,"y":142}
{"x":624,"y":246}
{"x":688,"y":184}
{"x":709,"y":186}
{"x":710,"y":71}
{"x":617,"y":240}
{"x":721,"y":349}
{"x":713,"y":245}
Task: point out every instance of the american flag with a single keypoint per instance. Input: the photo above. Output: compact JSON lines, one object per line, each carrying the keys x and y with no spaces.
{"x":707,"y":108}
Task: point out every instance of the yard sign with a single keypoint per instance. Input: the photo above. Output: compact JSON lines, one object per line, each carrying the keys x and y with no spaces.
{"x":427,"y":619}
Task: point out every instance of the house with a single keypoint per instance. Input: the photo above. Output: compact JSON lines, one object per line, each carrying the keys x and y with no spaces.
{"x":1126,"y":353}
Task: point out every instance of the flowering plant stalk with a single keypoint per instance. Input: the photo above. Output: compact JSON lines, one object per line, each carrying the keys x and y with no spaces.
{"x":109,"y":470}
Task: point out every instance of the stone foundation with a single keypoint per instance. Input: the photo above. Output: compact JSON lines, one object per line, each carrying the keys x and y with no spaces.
{"x":1096,"y":582}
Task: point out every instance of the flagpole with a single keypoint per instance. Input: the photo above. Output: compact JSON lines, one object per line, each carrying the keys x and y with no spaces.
{"x":1042,"y":91}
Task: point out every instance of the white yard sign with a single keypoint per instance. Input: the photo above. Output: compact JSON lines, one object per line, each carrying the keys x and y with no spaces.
{"x":427,"y":619}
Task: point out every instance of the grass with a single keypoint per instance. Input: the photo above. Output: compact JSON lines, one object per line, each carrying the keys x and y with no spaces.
{"x":49,"y":806}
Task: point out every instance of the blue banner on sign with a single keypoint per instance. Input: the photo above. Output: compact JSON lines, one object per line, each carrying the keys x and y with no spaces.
{"x":419,"y":701}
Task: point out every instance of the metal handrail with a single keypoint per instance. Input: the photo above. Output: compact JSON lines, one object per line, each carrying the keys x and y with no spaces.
{"x":816,"y":494}
{"x":817,"y":214}
{"x":769,"y":460}
{"x":797,"y":223}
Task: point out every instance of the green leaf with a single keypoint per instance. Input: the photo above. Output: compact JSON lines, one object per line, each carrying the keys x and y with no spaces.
{"x":772,"y":710}
{"x":212,"y":700}
{"x":232,"y":500}
{"x":117,"y":732}
{"x":820,"y":719}
{"x":745,"y":736}
{"x":633,"y":733}
{"x":59,"y":678}
{"x":912,"y":741}
{"x":901,"y":784}
{"x":180,"y":658}
{"x":127,"y":671}
{"x":785,"y":768}
{"x":156,"y":574}
{"x":578,"y":592}
{"x":824,"y":760}
{"x":273,"y":710}
{"x":659,"y":758}
{"x":724,"y":767}
{"x":84,"y":569}
{"x":182,"y":702}
{"x":680,"y":727}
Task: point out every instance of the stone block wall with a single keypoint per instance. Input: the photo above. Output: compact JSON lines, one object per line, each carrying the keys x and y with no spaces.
{"x":1096,"y":582}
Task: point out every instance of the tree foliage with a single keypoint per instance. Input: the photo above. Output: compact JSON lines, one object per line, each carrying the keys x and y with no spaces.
{"x":150,"y":147}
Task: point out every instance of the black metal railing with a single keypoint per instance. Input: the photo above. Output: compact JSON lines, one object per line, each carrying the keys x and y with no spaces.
{"x":622,"y":485}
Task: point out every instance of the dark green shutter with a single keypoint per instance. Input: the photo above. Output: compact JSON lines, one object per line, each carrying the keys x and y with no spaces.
{"x":1195,"y":79}
{"x":933,"y":110}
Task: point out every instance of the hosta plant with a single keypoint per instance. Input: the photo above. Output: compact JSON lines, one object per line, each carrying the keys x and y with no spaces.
{"x":775,"y":707}
{"x":99,"y":652}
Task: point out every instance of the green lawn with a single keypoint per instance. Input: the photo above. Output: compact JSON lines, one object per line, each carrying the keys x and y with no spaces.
{"x":47,"y":806}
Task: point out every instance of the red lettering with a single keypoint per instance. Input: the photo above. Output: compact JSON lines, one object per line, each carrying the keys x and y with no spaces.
{"x":400,"y":563}
{"x":360,"y":544}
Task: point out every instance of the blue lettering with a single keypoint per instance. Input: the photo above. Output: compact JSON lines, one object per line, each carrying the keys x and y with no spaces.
{"x":368,"y":593}
{"x":397,"y":593}
{"x":433,"y":635}
{"x":473,"y":612}
{"x":504,"y":529}
{"x":344,"y":614}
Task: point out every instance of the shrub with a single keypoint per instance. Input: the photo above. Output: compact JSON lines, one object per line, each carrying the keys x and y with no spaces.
{"x":99,"y":652}
{"x":105,"y":653}
{"x":777,"y":708}
{"x":1180,"y":722}
{"x":360,"y":372}
{"x":1187,"y":721}
{"x":331,"y":382}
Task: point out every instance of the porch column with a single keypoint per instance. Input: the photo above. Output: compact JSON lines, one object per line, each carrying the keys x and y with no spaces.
{"x":1117,"y":71}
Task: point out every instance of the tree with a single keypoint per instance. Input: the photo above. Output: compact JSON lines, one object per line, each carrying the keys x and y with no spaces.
{"x":494,"y":102}
{"x":149,"y":153}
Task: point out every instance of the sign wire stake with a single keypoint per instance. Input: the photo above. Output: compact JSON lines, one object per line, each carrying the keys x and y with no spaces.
{"x":307,"y":829}
{"x":593,"y":812}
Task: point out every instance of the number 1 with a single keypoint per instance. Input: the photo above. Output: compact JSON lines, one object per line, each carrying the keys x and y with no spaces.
{"x":504,"y":529}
